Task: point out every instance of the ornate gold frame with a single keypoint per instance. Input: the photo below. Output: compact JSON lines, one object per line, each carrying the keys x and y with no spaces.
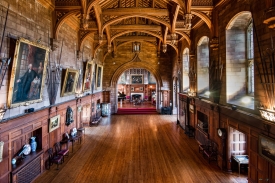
{"x":97,"y":75}
{"x":15,"y":73}
{"x":63,"y":92}
{"x":86,"y":75}
{"x":53,"y":119}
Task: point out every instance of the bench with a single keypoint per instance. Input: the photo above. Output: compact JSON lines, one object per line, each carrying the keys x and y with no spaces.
{"x":95,"y":121}
{"x":211,"y":151}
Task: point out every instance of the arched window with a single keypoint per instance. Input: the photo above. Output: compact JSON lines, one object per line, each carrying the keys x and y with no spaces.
{"x":203,"y":67}
{"x":185,"y":70}
{"x":239,"y":61}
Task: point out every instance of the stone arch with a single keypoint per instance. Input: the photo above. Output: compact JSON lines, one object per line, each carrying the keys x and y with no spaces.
{"x":62,"y":20}
{"x":184,"y":36}
{"x":130,"y":65}
{"x":204,"y":18}
{"x":239,"y":61}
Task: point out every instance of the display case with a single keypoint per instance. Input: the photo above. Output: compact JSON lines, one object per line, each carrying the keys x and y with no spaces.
{"x":105,"y":109}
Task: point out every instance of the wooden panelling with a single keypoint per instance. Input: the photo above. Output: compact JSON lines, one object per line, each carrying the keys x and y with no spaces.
{"x":272,"y":173}
{"x":262,"y":164}
{"x":37,"y":125}
{"x":4,"y":168}
{"x":253,"y":159}
{"x":16,"y":133}
{"x":28,"y":129}
{"x":243,"y":129}
{"x":253,"y":174}
{"x":254,"y":144}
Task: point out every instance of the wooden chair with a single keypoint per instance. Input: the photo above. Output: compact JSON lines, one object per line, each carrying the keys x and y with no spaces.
{"x":54,"y":159}
{"x":204,"y":146}
{"x":61,"y":152}
{"x":211,"y":152}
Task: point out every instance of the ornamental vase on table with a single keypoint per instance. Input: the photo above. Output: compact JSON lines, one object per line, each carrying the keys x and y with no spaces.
{"x":33,"y":144}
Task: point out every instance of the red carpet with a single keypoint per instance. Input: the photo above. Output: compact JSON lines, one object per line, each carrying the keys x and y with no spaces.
{"x":137,"y":111}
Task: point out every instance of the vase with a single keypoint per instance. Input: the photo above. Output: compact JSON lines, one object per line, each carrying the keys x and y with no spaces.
{"x":33,"y":144}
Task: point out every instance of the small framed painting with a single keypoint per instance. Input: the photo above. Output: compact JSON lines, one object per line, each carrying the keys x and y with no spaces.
{"x":132,"y":88}
{"x":140,"y":88}
{"x":137,"y":79}
{"x":54,"y":123}
{"x":70,"y":81}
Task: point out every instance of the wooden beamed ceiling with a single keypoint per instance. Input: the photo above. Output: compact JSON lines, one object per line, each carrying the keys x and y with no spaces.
{"x":110,"y":21}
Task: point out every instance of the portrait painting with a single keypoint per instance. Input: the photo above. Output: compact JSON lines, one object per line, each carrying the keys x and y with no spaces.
{"x":70,"y":81}
{"x":137,"y":79}
{"x":88,"y":76}
{"x":132,"y":88}
{"x":140,"y":88}
{"x":99,"y":74}
{"x":28,"y":73}
{"x":267,"y":148}
{"x":54,"y":123}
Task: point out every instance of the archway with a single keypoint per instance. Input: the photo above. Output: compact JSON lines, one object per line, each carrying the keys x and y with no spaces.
{"x":136,"y":89}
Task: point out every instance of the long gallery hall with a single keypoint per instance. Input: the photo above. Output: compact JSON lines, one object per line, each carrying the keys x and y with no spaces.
{"x":138,"y":148}
{"x":144,"y":91}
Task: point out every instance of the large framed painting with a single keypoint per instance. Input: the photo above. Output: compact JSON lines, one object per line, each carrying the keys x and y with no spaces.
{"x":267,"y":148}
{"x":99,"y":74}
{"x":88,"y":76}
{"x":28,"y":73}
{"x":70,"y":81}
{"x":54,"y":123}
{"x":137,"y":79}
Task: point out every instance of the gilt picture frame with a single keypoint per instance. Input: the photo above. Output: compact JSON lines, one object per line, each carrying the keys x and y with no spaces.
{"x":99,"y":75}
{"x":136,"y":79}
{"x":28,"y":73}
{"x":54,"y":123}
{"x":88,"y":76}
{"x":267,"y":148}
{"x":70,"y":82}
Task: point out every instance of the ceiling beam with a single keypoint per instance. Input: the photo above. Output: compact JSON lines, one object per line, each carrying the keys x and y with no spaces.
{"x":136,"y":38}
{"x":136,"y":27}
{"x":98,"y":15}
{"x":174,"y":20}
{"x":141,"y":11}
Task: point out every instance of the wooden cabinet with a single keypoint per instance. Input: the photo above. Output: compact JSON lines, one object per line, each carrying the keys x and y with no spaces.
{"x":27,"y":169}
{"x":105,"y":109}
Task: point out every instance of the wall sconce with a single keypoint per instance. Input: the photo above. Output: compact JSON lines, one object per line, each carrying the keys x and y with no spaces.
{"x":164,"y":48}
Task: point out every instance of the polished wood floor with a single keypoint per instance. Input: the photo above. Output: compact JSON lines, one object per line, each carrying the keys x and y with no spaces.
{"x":137,"y":148}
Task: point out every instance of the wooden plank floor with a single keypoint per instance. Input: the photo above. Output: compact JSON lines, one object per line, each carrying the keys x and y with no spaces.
{"x":137,"y":148}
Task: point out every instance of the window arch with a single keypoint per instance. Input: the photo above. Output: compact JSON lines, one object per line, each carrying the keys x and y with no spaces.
{"x":240,"y":61}
{"x":185,"y":70}
{"x":203,"y":67}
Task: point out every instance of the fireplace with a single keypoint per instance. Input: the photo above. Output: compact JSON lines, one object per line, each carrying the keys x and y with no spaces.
{"x":136,"y":95}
